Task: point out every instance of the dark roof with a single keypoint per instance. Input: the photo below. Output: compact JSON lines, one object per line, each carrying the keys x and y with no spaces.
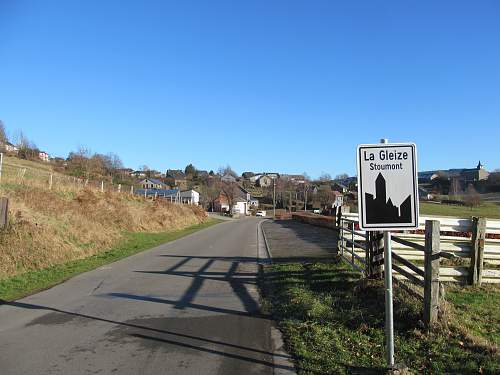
{"x":156,"y":191}
{"x":176,"y":173}
{"x":154,"y":181}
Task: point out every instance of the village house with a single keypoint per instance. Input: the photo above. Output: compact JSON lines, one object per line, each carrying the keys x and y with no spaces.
{"x":44,"y":156}
{"x":138,"y":174}
{"x":9,"y":147}
{"x":153,"y":183}
{"x":241,"y":203}
{"x":227,"y":178}
{"x":463,"y":175}
{"x":177,"y":177}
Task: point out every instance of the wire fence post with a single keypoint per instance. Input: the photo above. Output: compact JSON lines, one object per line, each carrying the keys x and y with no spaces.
{"x":1,"y":165}
{"x":50,"y":182}
{"x":102,"y":186}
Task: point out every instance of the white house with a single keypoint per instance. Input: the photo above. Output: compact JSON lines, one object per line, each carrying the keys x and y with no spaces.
{"x":44,"y":156}
{"x":190,"y":197}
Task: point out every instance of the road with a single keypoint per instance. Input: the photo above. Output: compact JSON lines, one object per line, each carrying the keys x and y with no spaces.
{"x":187,"y":307}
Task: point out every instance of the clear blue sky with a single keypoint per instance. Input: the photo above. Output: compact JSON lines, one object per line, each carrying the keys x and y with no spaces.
{"x":286,"y":86}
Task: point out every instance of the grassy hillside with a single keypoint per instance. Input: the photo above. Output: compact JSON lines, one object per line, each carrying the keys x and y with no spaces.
{"x":70,"y":221}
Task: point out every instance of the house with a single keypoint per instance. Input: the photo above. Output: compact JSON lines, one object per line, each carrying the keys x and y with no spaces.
{"x":294,"y":178}
{"x":44,"y":156}
{"x":227,"y":178}
{"x":241,"y":203}
{"x":9,"y":147}
{"x":190,"y":197}
{"x":177,"y":177}
{"x":265,"y":181}
{"x":341,"y":188}
{"x":202,"y":174}
{"x":424,"y":194}
{"x":138,"y":174}
{"x":464,"y":175}
{"x":153,"y":183}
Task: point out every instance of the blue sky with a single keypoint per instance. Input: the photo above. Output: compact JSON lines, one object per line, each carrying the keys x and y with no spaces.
{"x":286,"y":86}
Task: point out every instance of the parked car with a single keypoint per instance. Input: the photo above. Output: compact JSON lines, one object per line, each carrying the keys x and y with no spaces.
{"x":316,"y":211}
{"x":260,"y":213}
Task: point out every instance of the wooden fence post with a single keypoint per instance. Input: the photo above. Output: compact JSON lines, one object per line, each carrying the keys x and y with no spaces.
{"x":374,"y":254}
{"x":4,"y":212}
{"x":477,"y":250}
{"x":431,"y":270}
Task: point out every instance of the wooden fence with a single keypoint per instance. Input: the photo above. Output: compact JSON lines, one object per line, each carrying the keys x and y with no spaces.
{"x":469,"y":250}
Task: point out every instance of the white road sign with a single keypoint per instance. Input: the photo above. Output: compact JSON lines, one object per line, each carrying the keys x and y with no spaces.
{"x":387,"y":186}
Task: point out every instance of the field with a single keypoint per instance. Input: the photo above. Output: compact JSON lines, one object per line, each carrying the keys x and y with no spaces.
{"x":333,"y":323}
{"x":486,"y":209}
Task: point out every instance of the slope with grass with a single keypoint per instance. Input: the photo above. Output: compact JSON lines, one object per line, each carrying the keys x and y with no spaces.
{"x":333,"y":323}
{"x":53,"y":226}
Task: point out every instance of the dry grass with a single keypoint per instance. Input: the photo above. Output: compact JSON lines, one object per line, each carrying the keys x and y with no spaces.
{"x":48,"y":227}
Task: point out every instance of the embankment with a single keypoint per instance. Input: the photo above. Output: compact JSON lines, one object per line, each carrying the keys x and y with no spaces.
{"x":49,"y":227}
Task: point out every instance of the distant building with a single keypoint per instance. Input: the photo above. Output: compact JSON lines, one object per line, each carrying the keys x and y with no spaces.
{"x":178,"y":177}
{"x":294,"y":178}
{"x":9,"y":147}
{"x":464,"y":175}
{"x":341,"y":188}
{"x":190,"y":197}
{"x":241,"y":203}
{"x":228,"y":178}
{"x":138,"y":174}
{"x":44,"y":156}
{"x":152,"y":183}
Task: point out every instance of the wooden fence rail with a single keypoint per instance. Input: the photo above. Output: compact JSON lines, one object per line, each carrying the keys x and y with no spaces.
{"x":417,"y":255}
{"x":470,"y":258}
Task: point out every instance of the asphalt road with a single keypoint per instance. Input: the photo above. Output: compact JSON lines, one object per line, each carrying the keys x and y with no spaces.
{"x":187,"y":307}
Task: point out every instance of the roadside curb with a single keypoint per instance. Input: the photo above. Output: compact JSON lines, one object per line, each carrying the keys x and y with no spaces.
{"x":264,"y":253}
{"x":282,"y":361}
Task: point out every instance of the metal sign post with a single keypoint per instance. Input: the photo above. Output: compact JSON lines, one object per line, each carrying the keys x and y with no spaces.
{"x":389,"y":319}
{"x":387,"y":200}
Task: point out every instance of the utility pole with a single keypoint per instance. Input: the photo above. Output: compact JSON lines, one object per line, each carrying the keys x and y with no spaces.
{"x":306,"y":188}
{"x":274,"y":198}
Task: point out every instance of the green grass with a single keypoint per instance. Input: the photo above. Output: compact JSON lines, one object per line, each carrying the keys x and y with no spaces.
{"x":486,"y":209}
{"x":333,"y":323}
{"x":27,"y":283}
{"x":478,"y":309}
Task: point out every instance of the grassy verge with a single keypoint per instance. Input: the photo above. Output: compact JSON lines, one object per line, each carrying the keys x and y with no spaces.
{"x":486,"y":209}
{"x":333,"y":323}
{"x":478,"y":309}
{"x":27,"y":283}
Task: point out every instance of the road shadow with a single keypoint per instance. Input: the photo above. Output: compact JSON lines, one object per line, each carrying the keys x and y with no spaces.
{"x":170,"y":337}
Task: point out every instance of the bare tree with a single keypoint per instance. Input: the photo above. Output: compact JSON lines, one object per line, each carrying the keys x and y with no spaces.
{"x":3,"y":134}
{"x":325,"y":177}
{"x":227,"y":170}
{"x":455,"y":188}
{"x":472,"y":197}
{"x":231,"y":191}
{"x":341,"y":176}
